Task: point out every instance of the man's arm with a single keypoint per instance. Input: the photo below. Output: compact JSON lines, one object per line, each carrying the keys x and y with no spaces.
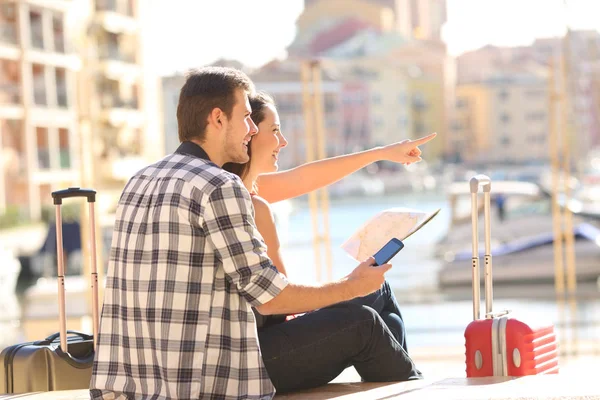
{"x":364,"y":280}
{"x":230,"y":228}
{"x":305,"y":178}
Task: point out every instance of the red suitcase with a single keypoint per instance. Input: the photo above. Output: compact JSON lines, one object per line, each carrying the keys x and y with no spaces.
{"x":499,"y":344}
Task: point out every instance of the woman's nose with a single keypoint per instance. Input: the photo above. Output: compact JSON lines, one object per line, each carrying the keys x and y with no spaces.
{"x":283,"y":141}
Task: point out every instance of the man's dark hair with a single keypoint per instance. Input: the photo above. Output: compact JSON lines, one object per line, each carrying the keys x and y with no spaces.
{"x":204,"y":90}
{"x":258,"y":103}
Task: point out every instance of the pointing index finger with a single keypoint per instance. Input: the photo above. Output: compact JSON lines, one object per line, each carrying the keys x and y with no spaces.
{"x":424,"y":140}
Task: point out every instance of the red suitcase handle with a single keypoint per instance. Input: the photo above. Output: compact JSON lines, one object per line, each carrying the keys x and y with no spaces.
{"x":485,"y":182}
{"x":58,"y":197}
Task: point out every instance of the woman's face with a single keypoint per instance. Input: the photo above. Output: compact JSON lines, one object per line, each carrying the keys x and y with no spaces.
{"x":267,"y":142}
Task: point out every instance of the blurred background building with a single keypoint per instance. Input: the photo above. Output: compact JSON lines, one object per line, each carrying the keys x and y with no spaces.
{"x":66,"y":68}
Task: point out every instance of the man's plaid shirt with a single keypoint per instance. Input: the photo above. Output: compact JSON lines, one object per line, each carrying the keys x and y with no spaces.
{"x":186,"y":265}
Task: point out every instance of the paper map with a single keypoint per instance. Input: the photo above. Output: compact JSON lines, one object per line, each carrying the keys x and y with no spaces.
{"x":391,"y":223}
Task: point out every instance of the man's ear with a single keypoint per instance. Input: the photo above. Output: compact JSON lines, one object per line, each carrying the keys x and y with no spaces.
{"x":216,"y":118}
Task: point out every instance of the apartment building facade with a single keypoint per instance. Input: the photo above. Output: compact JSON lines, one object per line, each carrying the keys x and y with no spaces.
{"x":76,"y":105}
{"x":504,"y":119}
{"x":38,"y":118}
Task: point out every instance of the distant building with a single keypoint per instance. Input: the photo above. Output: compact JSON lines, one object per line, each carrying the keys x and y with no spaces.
{"x":50,"y":93}
{"x":283,"y":81}
{"x":504,"y":119}
{"x":544,"y":56}
{"x":171,"y":86}
{"x":329,"y":22}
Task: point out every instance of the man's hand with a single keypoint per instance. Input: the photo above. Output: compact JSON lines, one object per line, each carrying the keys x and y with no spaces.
{"x":367,"y":278}
{"x":407,"y":151}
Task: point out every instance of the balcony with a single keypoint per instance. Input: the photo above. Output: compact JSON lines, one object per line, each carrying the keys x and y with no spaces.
{"x":120,"y":112}
{"x":109,"y":101}
{"x":124,"y":8}
{"x":114,"y":18}
{"x":106,"y":5}
{"x":112,"y":52}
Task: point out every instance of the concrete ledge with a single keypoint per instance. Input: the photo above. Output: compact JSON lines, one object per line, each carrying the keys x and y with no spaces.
{"x":497,"y":388}
{"x":541,"y":387}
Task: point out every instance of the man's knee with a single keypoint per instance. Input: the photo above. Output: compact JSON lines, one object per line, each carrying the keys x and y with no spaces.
{"x":360,"y":313}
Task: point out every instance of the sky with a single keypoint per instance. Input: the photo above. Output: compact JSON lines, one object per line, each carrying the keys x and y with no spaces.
{"x":191,"y":33}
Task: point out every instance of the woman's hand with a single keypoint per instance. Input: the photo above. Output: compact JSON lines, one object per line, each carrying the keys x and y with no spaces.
{"x":405,"y":152}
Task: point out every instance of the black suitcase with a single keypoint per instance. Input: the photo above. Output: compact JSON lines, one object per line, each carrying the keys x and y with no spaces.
{"x":51,"y":364}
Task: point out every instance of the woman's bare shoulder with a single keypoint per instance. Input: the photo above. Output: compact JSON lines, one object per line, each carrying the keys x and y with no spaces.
{"x":261,"y":206}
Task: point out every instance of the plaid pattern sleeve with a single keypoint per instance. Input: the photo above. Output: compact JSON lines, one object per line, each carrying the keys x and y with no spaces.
{"x":232,"y":232}
{"x":185,"y":266}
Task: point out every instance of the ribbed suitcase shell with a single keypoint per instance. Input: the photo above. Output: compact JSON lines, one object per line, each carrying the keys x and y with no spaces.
{"x":501,"y":345}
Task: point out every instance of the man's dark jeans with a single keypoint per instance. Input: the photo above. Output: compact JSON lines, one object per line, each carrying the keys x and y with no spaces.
{"x":313,"y":349}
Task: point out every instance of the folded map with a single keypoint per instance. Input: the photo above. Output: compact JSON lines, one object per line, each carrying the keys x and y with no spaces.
{"x":376,"y":232}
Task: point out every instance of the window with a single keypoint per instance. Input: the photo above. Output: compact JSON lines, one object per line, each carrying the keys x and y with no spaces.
{"x":376,"y":98}
{"x":536,"y":116}
{"x":505,"y":118}
{"x":462,"y":102}
{"x":402,"y":99}
{"x":503,"y":95}
{"x":37,"y":30}
{"x":61,"y":87}
{"x":39,"y":85}
{"x":534,"y":93}
{"x":59,"y":33}
{"x":8,"y":20}
{"x":42,"y":147}
{"x":64,"y":148}
{"x":10,"y":82}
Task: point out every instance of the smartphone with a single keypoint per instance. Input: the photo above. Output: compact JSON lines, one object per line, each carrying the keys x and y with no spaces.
{"x":388,"y":251}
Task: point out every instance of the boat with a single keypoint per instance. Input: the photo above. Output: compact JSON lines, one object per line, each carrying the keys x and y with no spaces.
{"x":522,"y":243}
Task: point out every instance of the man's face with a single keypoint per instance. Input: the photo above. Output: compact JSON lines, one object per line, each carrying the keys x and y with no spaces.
{"x":240,"y":129}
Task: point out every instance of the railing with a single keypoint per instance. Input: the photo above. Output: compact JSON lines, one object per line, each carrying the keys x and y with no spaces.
{"x":112,"y":6}
{"x":116,"y":102}
{"x":114,"y":53}
{"x":106,"y":5}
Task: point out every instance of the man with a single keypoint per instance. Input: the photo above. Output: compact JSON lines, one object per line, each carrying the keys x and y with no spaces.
{"x":187,"y":264}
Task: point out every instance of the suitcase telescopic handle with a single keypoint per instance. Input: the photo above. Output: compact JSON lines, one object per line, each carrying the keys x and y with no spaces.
{"x":58,"y":197}
{"x":484,"y":182}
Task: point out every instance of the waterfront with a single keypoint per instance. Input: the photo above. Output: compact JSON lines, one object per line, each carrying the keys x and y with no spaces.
{"x":435,"y":318}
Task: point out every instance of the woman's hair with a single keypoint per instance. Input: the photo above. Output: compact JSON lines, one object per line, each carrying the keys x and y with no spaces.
{"x":258,"y":103}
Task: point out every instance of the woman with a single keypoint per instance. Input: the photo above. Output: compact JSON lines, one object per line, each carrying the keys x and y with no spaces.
{"x":260,"y":176}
